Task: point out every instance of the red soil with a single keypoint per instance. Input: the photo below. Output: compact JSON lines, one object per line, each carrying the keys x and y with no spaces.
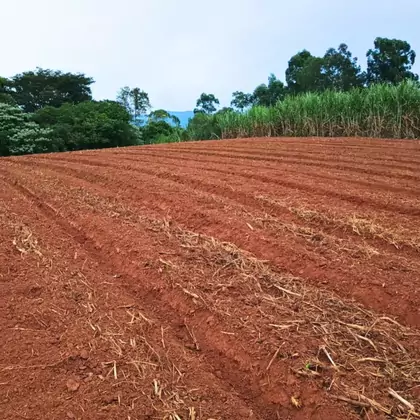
{"x":258,"y":278}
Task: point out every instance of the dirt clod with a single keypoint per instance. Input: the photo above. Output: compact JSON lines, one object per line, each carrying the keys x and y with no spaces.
{"x":84,"y":354}
{"x":72,"y":385}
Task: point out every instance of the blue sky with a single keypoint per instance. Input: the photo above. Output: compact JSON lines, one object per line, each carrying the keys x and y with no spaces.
{"x":177,"y":49}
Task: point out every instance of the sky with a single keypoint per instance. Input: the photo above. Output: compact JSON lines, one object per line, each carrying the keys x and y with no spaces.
{"x":177,"y":49}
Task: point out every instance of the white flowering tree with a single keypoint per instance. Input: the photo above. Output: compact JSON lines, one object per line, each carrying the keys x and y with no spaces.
{"x":19,"y":135}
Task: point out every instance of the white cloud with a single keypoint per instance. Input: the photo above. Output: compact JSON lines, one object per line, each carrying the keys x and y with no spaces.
{"x":176,"y":49}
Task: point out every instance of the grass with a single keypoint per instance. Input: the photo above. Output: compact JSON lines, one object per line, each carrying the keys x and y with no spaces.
{"x":381,"y":110}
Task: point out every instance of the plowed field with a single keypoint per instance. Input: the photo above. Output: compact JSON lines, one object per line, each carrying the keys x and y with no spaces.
{"x":245,"y":279}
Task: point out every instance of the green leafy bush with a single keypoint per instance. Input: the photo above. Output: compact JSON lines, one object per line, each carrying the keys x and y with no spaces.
{"x":89,"y":125}
{"x":204,"y":127}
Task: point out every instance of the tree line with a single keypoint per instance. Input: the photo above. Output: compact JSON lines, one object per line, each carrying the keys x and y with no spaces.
{"x":48,"y":110}
{"x":389,"y":61}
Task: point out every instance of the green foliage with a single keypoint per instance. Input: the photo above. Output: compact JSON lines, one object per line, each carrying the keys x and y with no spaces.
{"x":382,"y":110}
{"x":154,"y":129}
{"x":323,"y":96}
{"x":241,"y":100}
{"x":37,"y":89}
{"x":162,"y":127}
{"x":268,"y":95}
{"x":204,"y":126}
{"x":390,"y":61}
{"x":206,"y":103}
{"x":176,"y":137}
{"x":162,"y":115}
{"x":19,"y":135}
{"x":135,"y":101}
{"x":341,"y":70}
{"x":158,"y":115}
{"x":337,"y":70}
{"x":138,"y":134}
{"x":89,"y":125}
{"x":6,"y":92}
{"x":224,"y":110}
{"x":175,"y":120}
{"x":304,"y":73}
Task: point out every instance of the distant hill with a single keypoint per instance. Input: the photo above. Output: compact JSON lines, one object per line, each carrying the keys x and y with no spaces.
{"x":183,"y":116}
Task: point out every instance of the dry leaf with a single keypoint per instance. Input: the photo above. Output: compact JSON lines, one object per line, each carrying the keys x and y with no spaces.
{"x":296,"y":402}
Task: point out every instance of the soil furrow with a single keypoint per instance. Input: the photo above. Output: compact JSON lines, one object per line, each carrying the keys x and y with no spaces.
{"x":380,"y":156}
{"x":235,"y":367}
{"x":403,"y":239}
{"x":303,"y":158}
{"x":276,"y":170}
{"x":176,"y":335}
{"x":310,"y":257}
{"x":403,"y":175}
{"x":260,"y":181}
{"x":382,"y":148}
{"x":211,"y":280}
{"x":198,"y":317}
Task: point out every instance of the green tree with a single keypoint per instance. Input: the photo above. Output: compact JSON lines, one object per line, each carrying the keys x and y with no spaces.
{"x":158,"y":114}
{"x":206,"y":103}
{"x":390,"y":61}
{"x":89,"y":125}
{"x":204,"y":126}
{"x":37,"y":89}
{"x":141,"y":102}
{"x":6,"y":92}
{"x":224,"y":110}
{"x":305,"y":73}
{"x":162,"y":115}
{"x":175,"y":120}
{"x":124,"y":98}
{"x":163,"y":127}
{"x":135,"y":101}
{"x":270,"y":94}
{"x":155,"y":129}
{"x":19,"y":135}
{"x":241,"y":100}
{"x":341,"y":70}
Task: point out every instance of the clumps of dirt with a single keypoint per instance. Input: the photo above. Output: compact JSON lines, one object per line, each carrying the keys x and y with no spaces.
{"x":317,"y":237}
{"x":359,"y":225}
{"x":72,"y":385}
{"x":367,"y":355}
